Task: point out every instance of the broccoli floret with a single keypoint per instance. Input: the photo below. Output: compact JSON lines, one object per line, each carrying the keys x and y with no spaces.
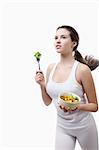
{"x":37,"y":55}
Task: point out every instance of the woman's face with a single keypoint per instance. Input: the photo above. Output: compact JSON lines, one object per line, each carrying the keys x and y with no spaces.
{"x":63,"y":42}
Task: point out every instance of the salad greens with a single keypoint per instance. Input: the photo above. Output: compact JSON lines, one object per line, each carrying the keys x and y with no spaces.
{"x":37,"y":55}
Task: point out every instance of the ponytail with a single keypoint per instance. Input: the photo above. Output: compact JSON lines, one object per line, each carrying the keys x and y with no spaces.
{"x":90,"y":61}
{"x":79,"y":57}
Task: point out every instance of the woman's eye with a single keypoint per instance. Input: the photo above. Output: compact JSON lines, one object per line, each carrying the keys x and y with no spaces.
{"x":56,"y":37}
{"x":61,"y":37}
{"x":64,"y":37}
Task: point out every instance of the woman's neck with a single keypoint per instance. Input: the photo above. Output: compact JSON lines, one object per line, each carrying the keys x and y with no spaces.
{"x":66,"y":60}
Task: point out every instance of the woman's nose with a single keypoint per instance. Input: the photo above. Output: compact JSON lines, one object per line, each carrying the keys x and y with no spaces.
{"x":58,"y":40}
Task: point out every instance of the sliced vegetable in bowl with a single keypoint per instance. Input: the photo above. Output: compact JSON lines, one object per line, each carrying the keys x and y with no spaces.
{"x":70,"y":100}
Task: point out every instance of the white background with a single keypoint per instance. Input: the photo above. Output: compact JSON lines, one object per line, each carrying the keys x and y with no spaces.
{"x":29,"y":26}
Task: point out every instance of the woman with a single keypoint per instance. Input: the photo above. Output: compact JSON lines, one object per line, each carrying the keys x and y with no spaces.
{"x":71,"y":74}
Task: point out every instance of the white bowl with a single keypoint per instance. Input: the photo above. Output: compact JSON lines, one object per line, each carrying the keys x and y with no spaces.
{"x":73,"y":101}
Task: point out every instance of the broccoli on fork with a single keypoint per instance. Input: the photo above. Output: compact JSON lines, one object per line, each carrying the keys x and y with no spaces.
{"x":38,"y":56}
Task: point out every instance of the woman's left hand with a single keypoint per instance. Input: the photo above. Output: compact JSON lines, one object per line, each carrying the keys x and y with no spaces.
{"x":67,"y":109}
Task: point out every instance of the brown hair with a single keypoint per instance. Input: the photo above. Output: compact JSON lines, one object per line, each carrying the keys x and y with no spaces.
{"x":75,"y":38}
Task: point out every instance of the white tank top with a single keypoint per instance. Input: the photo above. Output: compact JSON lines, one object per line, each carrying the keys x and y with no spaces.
{"x":68,"y":119}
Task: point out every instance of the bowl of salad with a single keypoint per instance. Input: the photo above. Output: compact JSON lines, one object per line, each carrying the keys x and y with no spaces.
{"x":69,"y":99}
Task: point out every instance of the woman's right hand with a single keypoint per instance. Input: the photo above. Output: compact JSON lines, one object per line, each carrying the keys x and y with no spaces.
{"x":39,"y":78}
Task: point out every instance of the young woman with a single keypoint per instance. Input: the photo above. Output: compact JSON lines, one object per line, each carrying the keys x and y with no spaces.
{"x":72,"y":73}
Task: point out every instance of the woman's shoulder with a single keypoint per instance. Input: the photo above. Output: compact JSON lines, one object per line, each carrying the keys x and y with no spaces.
{"x":82,"y":71}
{"x":49,"y":69}
{"x":50,"y":66}
{"x":82,"y":68}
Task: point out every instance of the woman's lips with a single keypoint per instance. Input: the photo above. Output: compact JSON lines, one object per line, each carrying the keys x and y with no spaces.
{"x":58,"y":46}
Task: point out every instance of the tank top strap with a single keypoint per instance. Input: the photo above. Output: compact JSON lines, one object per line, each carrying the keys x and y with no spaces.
{"x":73,"y":72}
{"x":52,"y":71}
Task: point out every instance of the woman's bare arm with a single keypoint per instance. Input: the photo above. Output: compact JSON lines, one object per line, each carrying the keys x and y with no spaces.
{"x":41,"y":81}
{"x":89,"y":89}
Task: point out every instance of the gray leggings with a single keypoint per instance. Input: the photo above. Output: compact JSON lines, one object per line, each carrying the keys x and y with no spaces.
{"x":87,"y":138}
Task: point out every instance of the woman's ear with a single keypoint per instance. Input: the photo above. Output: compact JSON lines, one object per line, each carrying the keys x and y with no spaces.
{"x":74,"y":44}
